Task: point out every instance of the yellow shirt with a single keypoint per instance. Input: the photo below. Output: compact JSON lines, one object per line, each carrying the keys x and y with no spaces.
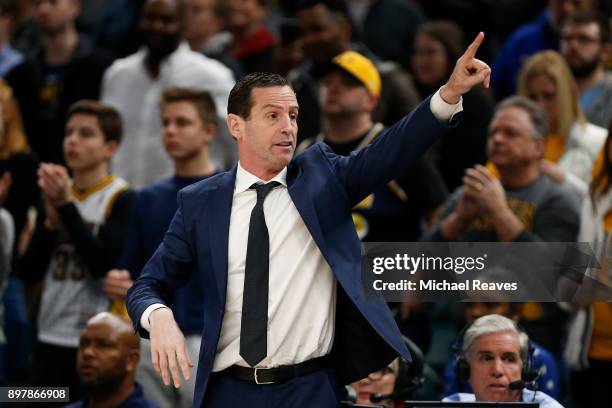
{"x":601,"y":337}
{"x":555,"y":146}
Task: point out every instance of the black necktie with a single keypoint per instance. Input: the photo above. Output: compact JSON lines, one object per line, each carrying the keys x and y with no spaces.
{"x":254,"y":324}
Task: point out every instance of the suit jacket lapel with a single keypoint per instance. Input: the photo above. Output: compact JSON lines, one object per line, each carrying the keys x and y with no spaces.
{"x":302,"y":199}
{"x":221,"y":206}
{"x":219,"y":220}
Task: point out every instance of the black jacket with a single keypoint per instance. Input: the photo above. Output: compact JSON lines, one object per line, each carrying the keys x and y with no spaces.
{"x":82,"y":76}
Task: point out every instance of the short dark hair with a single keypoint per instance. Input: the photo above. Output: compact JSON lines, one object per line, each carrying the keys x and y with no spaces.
{"x":108,"y":118}
{"x":240,"y":102}
{"x":200,"y":99}
{"x":588,"y":17}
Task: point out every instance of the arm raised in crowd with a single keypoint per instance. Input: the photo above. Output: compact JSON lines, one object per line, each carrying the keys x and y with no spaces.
{"x":98,"y":251}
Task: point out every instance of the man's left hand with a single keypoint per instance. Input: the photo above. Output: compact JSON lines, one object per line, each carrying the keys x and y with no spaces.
{"x":553,"y":171}
{"x":485,"y":189}
{"x":468,"y":72}
{"x":116,"y":284}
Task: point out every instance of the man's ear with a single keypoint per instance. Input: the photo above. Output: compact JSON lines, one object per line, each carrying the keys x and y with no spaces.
{"x":210,"y":129}
{"x":132,"y":360}
{"x":540,"y":144}
{"x":606,"y":52}
{"x":235,"y":124}
{"x":373,"y":101}
{"x":111,"y":147}
{"x":77,"y":8}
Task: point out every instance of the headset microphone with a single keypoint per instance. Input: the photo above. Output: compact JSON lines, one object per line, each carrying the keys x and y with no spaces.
{"x":517,"y":385}
{"x":397,"y":395}
{"x":530,"y":382}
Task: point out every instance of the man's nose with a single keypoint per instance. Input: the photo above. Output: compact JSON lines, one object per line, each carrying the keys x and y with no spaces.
{"x":157,"y":24}
{"x":70,"y":137}
{"x":497,"y":369}
{"x":169,"y":129}
{"x":307,"y":38}
{"x":496,"y":137}
{"x":87,"y":352}
{"x":286,"y":125}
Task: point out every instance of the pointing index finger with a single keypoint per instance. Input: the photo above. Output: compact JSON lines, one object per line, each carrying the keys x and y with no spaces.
{"x":471,"y":50}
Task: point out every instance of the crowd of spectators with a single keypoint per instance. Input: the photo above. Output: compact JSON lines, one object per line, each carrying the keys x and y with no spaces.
{"x":109,"y":107}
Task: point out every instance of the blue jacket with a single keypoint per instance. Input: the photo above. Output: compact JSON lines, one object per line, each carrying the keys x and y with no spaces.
{"x":324,"y":187}
{"x":522,"y":44}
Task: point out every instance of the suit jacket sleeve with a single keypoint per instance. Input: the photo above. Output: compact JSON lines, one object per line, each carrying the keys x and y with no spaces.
{"x":169,"y":268}
{"x":391,"y":154}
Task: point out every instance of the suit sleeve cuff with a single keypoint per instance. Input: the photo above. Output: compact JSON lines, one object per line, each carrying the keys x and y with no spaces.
{"x":144,"y":319}
{"x":442,"y":110}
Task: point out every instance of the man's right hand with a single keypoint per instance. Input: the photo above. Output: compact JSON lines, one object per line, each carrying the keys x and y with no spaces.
{"x":467,"y":206}
{"x":457,"y":222}
{"x":116,"y":284}
{"x":468,"y":72}
{"x":168,"y":348}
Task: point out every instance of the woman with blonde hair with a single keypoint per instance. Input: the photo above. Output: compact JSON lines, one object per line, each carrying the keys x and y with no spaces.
{"x":573,"y":143}
{"x":588,"y":351}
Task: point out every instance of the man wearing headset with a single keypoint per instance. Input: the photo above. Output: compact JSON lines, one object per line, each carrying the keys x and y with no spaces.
{"x":548,"y":376}
{"x":495,"y":360}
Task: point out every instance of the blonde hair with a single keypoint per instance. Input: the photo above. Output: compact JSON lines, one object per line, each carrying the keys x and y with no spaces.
{"x":12,"y":136}
{"x":552,"y":65}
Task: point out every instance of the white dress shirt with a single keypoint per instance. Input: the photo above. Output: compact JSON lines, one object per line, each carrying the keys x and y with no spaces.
{"x":302,"y":287}
{"x":128,"y":86}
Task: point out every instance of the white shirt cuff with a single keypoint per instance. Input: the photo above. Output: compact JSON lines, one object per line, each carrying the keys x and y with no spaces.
{"x":144,"y":319}
{"x":442,"y":110}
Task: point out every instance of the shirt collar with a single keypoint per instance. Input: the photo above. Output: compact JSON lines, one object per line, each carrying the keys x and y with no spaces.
{"x":244,"y":179}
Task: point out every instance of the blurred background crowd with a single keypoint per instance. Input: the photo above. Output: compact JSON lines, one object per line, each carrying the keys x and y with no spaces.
{"x":531,"y":160}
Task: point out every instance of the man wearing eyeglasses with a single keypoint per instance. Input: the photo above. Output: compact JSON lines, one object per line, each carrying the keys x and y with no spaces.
{"x":585,"y":45}
{"x":522,"y":204}
{"x":380,"y":382}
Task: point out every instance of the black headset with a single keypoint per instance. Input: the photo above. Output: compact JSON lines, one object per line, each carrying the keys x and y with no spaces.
{"x":529,"y":372}
{"x":409,"y":376}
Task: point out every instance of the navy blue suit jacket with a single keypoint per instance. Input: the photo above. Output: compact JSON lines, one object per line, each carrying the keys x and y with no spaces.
{"x":324,"y":188}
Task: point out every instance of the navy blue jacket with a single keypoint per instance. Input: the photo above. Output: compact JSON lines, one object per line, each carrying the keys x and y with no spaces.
{"x":324,"y":187}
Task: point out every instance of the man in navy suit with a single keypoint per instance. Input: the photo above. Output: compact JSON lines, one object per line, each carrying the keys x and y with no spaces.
{"x":273,"y":245}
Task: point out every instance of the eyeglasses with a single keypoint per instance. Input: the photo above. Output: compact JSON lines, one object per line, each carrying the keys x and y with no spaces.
{"x":377,"y":375}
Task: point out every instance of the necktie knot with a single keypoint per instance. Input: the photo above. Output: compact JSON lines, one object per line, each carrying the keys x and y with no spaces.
{"x":263,"y":189}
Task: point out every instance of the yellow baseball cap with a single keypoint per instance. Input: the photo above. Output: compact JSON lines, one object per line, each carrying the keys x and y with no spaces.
{"x":361,"y":68}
